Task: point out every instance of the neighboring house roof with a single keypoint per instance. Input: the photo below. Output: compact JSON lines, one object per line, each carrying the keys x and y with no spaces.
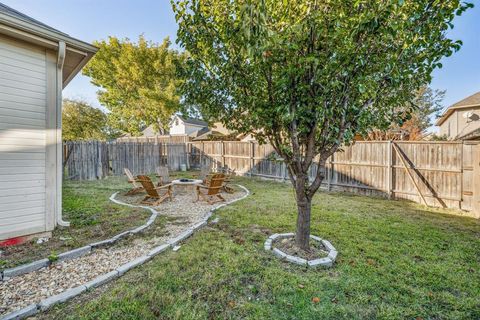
{"x":470,"y":101}
{"x":20,"y":26}
{"x":199,"y":132}
{"x":193,"y":121}
{"x":208,"y":135}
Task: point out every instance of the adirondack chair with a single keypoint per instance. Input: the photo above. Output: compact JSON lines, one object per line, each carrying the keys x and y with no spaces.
{"x":205,"y":173}
{"x":228,"y":179}
{"x":154,"y":197}
{"x":163,"y":176}
{"x":211,"y":192}
{"x":137,"y":187}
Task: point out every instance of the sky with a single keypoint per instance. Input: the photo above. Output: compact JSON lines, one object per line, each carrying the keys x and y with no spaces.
{"x":90,"y":20}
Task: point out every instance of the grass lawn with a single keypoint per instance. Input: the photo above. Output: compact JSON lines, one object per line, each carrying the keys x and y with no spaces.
{"x":92,"y":215}
{"x":397,"y":260}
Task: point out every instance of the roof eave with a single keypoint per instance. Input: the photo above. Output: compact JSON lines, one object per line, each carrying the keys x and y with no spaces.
{"x":19,"y":25}
{"x":450,"y":110}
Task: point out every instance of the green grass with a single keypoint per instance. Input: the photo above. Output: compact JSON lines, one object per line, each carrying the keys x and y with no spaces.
{"x":92,"y":216}
{"x":397,"y":260}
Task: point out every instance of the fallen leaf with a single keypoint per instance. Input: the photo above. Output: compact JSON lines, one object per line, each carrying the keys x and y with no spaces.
{"x":315,"y":299}
{"x":231,"y":304}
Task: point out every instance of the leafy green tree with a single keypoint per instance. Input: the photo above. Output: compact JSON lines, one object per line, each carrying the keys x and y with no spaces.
{"x":80,"y":121}
{"x":138,"y":82}
{"x":307,"y":75}
{"x":428,"y":104}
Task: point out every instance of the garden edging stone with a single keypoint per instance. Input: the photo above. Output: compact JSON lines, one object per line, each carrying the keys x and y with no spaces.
{"x":78,"y":252}
{"x":75,"y":253}
{"x":324,"y":262}
{"x":102,"y":279}
{"x":105,"y":278}
{"x":22,"y":313}
{"x":61,"y":297}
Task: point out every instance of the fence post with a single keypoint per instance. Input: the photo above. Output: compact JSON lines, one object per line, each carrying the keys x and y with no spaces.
{"x":201,"y":155}
{"x":252,"y":158}
{"x":223,"y":154}
{"x":390,"y":170}
{"x":330,"y":172}
{"x":476,"y":181}
{"x":187,"y":147}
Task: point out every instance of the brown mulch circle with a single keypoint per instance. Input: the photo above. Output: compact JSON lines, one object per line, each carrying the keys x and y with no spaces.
{"x":287,"y":245}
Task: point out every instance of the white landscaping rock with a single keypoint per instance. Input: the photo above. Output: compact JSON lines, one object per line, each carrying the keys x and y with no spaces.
{"x":62,"y":297}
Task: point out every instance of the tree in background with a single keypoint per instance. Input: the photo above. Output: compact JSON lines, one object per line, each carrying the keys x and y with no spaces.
{"x":80,"y":121}
{"x":308,"y":75}
{"x":137,"y":81}
{"x":428,"y":104}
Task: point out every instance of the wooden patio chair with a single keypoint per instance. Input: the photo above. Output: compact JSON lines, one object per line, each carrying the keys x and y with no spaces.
{"x":211,"y":192}
{"x":228,"y":180}
{"x":154,"y":197}
{"x":137,"y":187}
{"x":163,"y":175}
{"x":205,"y":174}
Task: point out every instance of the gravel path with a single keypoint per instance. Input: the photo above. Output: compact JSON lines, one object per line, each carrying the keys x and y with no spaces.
{"x":21,"y":291}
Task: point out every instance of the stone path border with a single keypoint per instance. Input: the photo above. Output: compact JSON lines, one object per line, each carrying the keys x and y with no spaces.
{"x":324,"y":262}
{"x":105,"y":278}
{"x":78,"y":252}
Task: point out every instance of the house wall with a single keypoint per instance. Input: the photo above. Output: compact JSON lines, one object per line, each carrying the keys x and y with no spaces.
{"x":180,"y":127}
{"x":177,"y":127}
{"x":457,"y":125}
{"x":27,"y":201}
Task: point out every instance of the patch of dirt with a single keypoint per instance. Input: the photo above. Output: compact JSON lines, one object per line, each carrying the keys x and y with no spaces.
{"x":64,"y":239}
{"x":317,"y":249}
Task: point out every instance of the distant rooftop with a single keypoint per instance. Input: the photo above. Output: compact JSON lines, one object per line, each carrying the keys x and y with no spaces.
{"x":470,"y":101}
{"x":194,"y":121}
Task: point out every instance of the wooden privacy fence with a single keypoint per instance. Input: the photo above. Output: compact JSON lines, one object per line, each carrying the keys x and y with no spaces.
{"x":441,"y":174}
{"x":96,"y":160}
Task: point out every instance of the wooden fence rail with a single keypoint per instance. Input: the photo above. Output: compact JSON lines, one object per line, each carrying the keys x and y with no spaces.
{"x":444,"y":174}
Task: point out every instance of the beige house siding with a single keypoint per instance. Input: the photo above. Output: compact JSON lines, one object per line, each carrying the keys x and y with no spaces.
{"x":23,"y":138}
{"x":456,"y":125}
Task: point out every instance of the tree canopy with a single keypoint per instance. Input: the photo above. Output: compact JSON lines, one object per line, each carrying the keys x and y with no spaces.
{"x":428,"y":103}
{"x":80,"y":121}
{"x":138,"y":82}
{"x":307,"y":75}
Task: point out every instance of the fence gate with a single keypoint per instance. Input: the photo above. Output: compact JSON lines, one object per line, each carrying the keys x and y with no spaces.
{"x":177,"y":155}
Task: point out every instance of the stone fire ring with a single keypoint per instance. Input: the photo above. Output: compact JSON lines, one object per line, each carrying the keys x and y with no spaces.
{"x":322,"y":262}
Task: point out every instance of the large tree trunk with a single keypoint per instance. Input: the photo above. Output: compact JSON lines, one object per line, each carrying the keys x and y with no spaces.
{"x":304,"y":205}
{"x":302,"y":237}
{"x":304,"y":192}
